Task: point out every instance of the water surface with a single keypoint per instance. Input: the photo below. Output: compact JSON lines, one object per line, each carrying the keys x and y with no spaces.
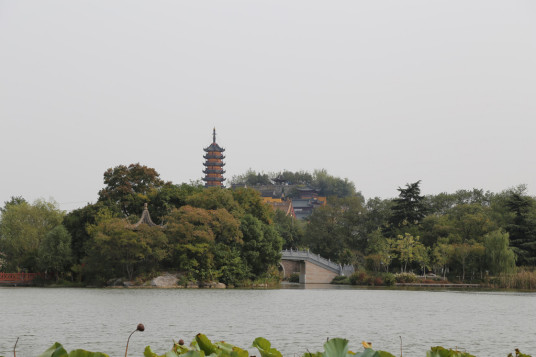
{"x":483,"y":323}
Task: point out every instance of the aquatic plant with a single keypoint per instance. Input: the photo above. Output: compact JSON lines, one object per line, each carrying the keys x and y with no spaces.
{"x":201,"y":346}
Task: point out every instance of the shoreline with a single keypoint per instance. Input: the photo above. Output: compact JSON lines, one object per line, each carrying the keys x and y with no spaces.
{"x":297,"y":286}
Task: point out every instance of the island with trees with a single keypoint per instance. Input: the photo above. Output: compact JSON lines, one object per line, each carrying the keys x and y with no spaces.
{"x":231,"y":236}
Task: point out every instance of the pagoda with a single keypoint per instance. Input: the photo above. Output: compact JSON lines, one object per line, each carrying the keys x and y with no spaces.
{"x":213,"y":164}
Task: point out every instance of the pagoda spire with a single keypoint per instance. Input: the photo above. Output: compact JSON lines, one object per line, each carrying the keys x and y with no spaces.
{"x":214,"y":135}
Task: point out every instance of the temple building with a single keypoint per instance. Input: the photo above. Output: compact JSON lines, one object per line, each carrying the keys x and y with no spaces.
{"x":214,"y":164}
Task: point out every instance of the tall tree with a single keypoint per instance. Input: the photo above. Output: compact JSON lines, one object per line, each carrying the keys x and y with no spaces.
{"x":130,"y":187}
{"x":23,"y":227}
{"x":409,"y":208}
{"x":337,"y":228}
{"x":54,"y":252}
{"x":262,"y":245}
{"x":522,"y":228}
{"x":500,"y":257}
{"x":76,"y":223}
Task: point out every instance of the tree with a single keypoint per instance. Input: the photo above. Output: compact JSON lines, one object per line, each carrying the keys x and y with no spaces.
{"x":54,"y":253}
{"x":214,"y":198}
{"x":336,"y":228}
{"x":76,"y":223}
{"x":290,"y":229}
{"x":382,"y":249}
{"x":522,"y":227}
{"x":129,"y":187}
{"x":262,"y":245}
{"x":441,"y":255}
{"x":15,"y":200}
{"x":409,"y":208}
{"x":252,"y":178}
{"x":117,"y":249}
{"x":422,"y":257}
{"x":499,"y":256}
{"x":406,"y":246}
{"x":471,"y":222}
{"x":207,"y":244}
{"x":23,"y":227}
{"x":251,"y":202}
{"x":332,"y":186}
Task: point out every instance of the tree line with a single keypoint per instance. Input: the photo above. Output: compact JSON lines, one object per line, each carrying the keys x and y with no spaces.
{"x":469,"y":234}
{"x":211,"y":234}
{"x":231,"y":236}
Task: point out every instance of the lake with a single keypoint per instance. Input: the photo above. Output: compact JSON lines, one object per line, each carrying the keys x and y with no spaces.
{"x":293,"y":319}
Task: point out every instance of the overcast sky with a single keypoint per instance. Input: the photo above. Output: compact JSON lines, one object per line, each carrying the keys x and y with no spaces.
{"x":380,"y":92}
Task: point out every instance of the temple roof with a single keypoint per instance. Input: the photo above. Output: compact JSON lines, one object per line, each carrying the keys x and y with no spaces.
{"x":145,"y":218}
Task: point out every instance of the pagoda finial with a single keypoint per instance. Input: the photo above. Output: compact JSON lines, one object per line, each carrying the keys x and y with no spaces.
{"x":214,"y":135}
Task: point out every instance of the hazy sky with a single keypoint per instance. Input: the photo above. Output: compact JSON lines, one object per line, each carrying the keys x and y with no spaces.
{"x":380,"y":92}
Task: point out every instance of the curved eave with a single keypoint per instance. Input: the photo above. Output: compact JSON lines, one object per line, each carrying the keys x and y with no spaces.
{"x":214,"y":156}
{"x":210,"y":171}
{"x":218,"y":179}
{"x":214,"y":148}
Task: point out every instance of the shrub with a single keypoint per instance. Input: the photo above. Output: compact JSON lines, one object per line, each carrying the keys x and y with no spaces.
{"x":294,"y":278}
{"x":358,"y":278}
{"x":341,"y":279}
{"x":405,"y":278}
{"x":378,"y":281}
{"x":389,"y":279}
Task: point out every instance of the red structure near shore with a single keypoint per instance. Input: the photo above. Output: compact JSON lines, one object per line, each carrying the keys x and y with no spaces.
{"x":18,"y":278}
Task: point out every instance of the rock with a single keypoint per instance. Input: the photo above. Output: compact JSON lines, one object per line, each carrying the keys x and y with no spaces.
{"x":128,"y":283}
{"x":191,"y":285}
{"x":214,"y":285}
{"x":166,"y":280}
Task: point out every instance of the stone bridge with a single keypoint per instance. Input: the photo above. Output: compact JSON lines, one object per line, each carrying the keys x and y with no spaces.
{"x":312,"y":268}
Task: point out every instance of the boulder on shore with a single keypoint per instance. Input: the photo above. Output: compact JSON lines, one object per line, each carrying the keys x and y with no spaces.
{"x":166,"y":280}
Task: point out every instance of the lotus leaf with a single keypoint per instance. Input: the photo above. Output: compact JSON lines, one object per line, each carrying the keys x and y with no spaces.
{"x":265,"y":348}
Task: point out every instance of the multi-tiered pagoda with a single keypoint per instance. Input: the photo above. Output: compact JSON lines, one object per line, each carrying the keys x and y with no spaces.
{"x":214,"y":164}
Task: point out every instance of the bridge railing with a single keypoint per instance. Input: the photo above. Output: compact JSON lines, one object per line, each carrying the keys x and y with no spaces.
{"x":18,"y":278}
{"x":307,"y":255}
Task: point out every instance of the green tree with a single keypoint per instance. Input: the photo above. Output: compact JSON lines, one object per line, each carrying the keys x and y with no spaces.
{"x":251,"y":202}
{"x":252,"y":178}
{"x":471,"y":222}
{"x":382,"y":250}
{"x":207,"y":244}
{"x":214,"y":198}
{"x":117,"y":249}
{"x":422,"y":256}
{"x":290,"y":229}
{"x":15,"y":200}
{"x":54,"y":252}
{"x":522,"y":227}
{"x":499,"y":256}
{"x":262,"y":245}
{"x":409,"y":208}
{"x":406,"y":246}
{"x":23,"y":227}
{"x":130,"y":187}
{"x":441,"y":255}
{"x":76,"y":223}
{"x":333,"y":186}
{"x":336,"y":228}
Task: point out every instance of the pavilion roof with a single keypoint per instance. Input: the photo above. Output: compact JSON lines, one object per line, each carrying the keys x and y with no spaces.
{"x":145,"y":218}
